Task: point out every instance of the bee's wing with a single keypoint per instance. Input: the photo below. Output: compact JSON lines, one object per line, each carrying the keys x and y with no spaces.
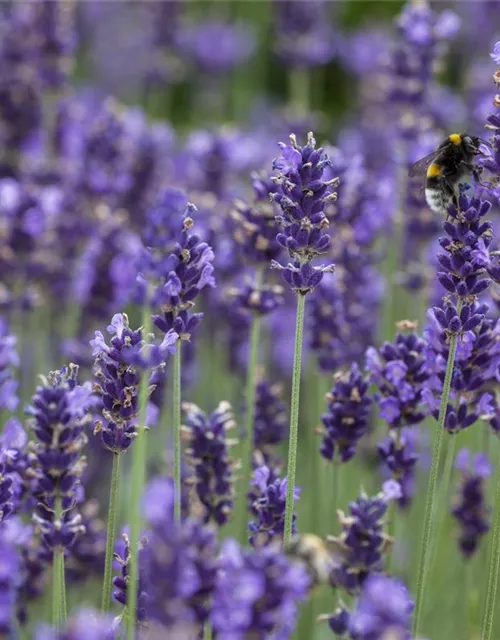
{"x":420,"y":166}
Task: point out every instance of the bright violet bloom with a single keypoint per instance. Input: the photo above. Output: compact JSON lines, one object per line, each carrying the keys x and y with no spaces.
{"x":303,"y":196}
{"x":470,"y":508}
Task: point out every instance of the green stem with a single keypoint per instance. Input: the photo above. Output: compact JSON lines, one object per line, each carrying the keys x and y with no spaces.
{"x":431,"y":489}
{"x":64,"y":606}
{"x":56,"y":576}
{"x":110,"y":534}
{"x":294,"y":418}
{"x":207,"y":631}
{"x":138,"y":481}
{"x":494,"y":565}
{"x":442,"y":506}
{"x":176,"y":422}
{"x":251,"y":387}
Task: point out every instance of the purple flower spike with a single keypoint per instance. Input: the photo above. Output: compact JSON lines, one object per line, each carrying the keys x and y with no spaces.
{"x":118,"y":368}
{"x":271,"y":422}
{"x":180,"y":565}
{"x":267,"y":503}
{"x":303,"y":196}
{"x":60,"y":413}
{"x":495,"y":54}
{"x":383,"y":610}
{"x":183,"y":266}
{"x":120,"y":582}
{"x":401,"y":371}
{"x":470,"y":508}
{"x":362,"y":543}
{"x":348,"y":415}
{"x":208,"y":453}
{"x":10,"y":580}
{"x":9,"y":360}
{"x":257,"y":593}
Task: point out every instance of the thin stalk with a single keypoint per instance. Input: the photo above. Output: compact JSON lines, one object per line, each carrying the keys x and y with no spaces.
{"x":442,"y":507}
{"x":110,"y":534}
{"x":491,"y":592}
{"x":176,"y":423}
{"x":138,"y":481}
{"x":56,"y":577}
{"x":64,"y":605}
{"x":207,"y":631}
{"x":251,"y":387}
{"x":431,"y":489}
{"x":294,"y":418}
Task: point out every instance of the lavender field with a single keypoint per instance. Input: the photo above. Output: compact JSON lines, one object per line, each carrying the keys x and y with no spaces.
{"x":249,"y":339}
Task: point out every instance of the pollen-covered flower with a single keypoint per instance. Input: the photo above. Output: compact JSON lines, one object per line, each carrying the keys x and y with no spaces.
{"x":347,"y":417}
{"x":208,"y":453}
{"x":267,"y":502}
{"x":470,"y":507}
{"x":303,"y":197}
{"x":257,"y":593}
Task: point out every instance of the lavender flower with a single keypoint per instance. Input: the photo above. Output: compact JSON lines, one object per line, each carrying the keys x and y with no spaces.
{"x":181,"y":565}
{"x":362,"y":543}
{"x":303,"y":196}
{"x":470,"y":509}
{"x":88,"y":551}
{"x":399,"y":457}
{"x":121,"y":581}
{"x":8,"y":360}
{"x":400,"y":371}
{"x":184,"y":273}
{"x":384,"y":609}
{"x":267,"y":503}
{"x":257,"y":593}
{"x":208,"y":453}
{"x":304,"y":35}
{"x":258,"y":299}
{"x":59,"y":413}
{"x":348,"y":415}
{"x":118,"y":372}
{"x":10,"y":580}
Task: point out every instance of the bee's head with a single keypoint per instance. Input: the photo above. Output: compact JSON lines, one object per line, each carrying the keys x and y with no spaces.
{"x":471,"y":144}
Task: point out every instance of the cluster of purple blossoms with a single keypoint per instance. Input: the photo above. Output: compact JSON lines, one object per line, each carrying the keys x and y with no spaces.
{"x":208,"y":453}
{"x":401,"y":372}
{"x":9,"y":359}
{"x":303,"y":197}
{"x":469,"y":508}
{"x":491,"y":153}
{"x":383,"y":610}
{"x":348,"y":416}
{"x":466,"y":269}
{"x":180,"y":563}
{"x":362,"y":543}
{"x":88,"y":551}
{"x":118,"y":369}
{"x":267,"y":502}
{"x":59,"y":415}
{"x":257,"y":592}
{"x":13,"y":468}
{"x":120,"y":582}
{"x":10,"y":579}
{"x":184,"y":267}
{"x":304,"y":36}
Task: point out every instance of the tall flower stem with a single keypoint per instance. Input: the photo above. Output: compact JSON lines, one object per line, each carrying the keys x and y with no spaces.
{"x":299,"y":89}
{"x":57,"y":557}
{"x":110,"y":534}
{"x":491,"y":591}
{"x":176,"y":424}
{"x":250,"y":391}
{"x":138,"y":481}
{"x":294,"y":417}
{"x":431,"y":489}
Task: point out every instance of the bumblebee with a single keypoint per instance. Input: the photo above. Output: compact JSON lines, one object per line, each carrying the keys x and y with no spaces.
{"x":444,"y":168}
{"x":317,"y":555}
